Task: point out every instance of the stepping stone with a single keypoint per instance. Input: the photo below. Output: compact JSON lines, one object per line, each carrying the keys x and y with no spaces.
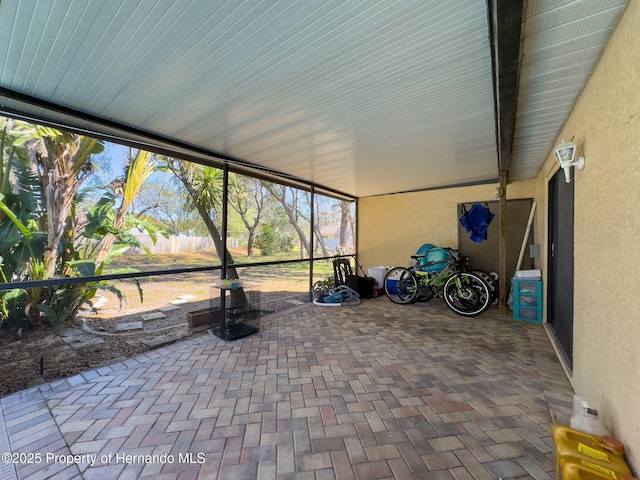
{"x":178,"y":302}
{"x":153,"y":316}
{"x":168,"y":309}
{"x":126,"y":326}
{"x":78,"y":339}
{"x":296,"y":302}
{"x":81,"y":341}
{"x":187,"y":297}
{"x":161,"y":341}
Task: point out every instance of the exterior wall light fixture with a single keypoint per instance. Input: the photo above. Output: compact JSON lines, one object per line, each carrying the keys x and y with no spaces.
{"x":565,"y":155}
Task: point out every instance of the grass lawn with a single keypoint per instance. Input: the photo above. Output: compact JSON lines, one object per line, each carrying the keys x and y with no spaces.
{"x":160,"y":290}
{"x":204,"y":258}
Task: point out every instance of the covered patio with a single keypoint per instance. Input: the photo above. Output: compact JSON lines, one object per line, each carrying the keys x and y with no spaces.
{"x":408,"y":109}
{"x":369,"y":392}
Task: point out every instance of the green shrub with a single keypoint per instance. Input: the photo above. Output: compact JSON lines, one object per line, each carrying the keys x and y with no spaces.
{"x":271,"y":240}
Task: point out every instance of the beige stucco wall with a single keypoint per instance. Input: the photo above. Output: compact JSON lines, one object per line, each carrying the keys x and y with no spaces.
{"x":392,"y":227}
{"x":605,"y":123}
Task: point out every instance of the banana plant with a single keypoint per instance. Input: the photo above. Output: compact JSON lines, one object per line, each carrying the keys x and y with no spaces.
{"x":62,"y":303}
{"x":58,"y":303}
{"x":14,"y":309}
{"x":100,"y":223}
{"x":44,"y":166}
{"x":63,"y":162}
{"x":21,"y":198}
{"x":16,"y":245}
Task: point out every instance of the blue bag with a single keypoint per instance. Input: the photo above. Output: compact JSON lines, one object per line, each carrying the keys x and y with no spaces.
{"x":476,"y":221}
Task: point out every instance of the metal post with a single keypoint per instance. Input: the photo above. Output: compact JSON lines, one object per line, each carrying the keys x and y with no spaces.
{"x":504,"y":286}
{"x":311,"y":249}
{"x":223,"y":233}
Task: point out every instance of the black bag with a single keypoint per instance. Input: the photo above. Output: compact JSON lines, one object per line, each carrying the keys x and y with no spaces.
{"x":363,"y":285}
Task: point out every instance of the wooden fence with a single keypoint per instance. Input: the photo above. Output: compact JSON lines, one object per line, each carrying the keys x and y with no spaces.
{"x":176,"y":244}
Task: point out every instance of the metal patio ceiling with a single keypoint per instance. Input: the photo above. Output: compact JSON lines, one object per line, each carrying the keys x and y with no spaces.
{"x":562,"y":42}
{"x":363,"y":97}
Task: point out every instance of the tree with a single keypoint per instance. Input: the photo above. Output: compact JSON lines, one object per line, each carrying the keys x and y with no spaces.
{"x":21,"y":195}
{"x":161,"y":202}
{"x":272,"y":240}
{"x":346,"y":222}
{"x":56,"y":240}
{"x":63,"y":162}
{"x":204,"y":187}
{"x":138,"y":170}
{"x":247,"y":197}
{"x":318,"y":224}
{"x":288,"y":198}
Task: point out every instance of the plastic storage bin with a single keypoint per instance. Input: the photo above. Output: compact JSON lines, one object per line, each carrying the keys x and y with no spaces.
{"x":527,"y":299}
{"x":597,"y":454}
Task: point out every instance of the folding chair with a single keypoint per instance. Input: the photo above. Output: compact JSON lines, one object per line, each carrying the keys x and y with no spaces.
{"x":341,"y":271}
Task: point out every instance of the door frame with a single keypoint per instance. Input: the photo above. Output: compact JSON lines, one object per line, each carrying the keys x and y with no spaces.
{"x":560,"y":262}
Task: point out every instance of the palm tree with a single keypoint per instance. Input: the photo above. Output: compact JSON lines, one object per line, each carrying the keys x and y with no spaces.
{"x":138,"y":170}
{"x":204,"y":187}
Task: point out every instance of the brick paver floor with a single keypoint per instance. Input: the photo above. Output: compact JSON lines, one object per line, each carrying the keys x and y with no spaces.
{"x":376,"y":391}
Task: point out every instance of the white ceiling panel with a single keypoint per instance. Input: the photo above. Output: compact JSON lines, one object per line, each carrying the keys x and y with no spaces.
{"x":562,"y":43}
{"x":365,"y":97}
{"x":333,"y":92}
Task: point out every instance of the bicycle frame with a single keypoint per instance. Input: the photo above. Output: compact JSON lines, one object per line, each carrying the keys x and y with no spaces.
{"x":434,"y":281}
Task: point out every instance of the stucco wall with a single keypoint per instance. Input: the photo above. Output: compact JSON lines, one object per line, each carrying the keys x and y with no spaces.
{"x":605,"y":123}
{"x":392,"y":227}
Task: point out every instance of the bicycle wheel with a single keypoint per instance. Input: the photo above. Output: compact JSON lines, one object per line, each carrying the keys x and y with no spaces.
{"x":483,"y":298}
{"x":400,"y":285}
{"x":491,"y":281}
{"x":467,"y":294}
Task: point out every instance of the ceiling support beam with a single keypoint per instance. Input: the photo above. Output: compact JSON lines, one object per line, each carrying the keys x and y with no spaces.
{"x":505,"y":27}
{"x":503,"y":286}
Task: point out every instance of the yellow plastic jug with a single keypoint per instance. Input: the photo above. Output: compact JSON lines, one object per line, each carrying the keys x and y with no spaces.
{"x":575,"y":471}
{"x":599,"y":454}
